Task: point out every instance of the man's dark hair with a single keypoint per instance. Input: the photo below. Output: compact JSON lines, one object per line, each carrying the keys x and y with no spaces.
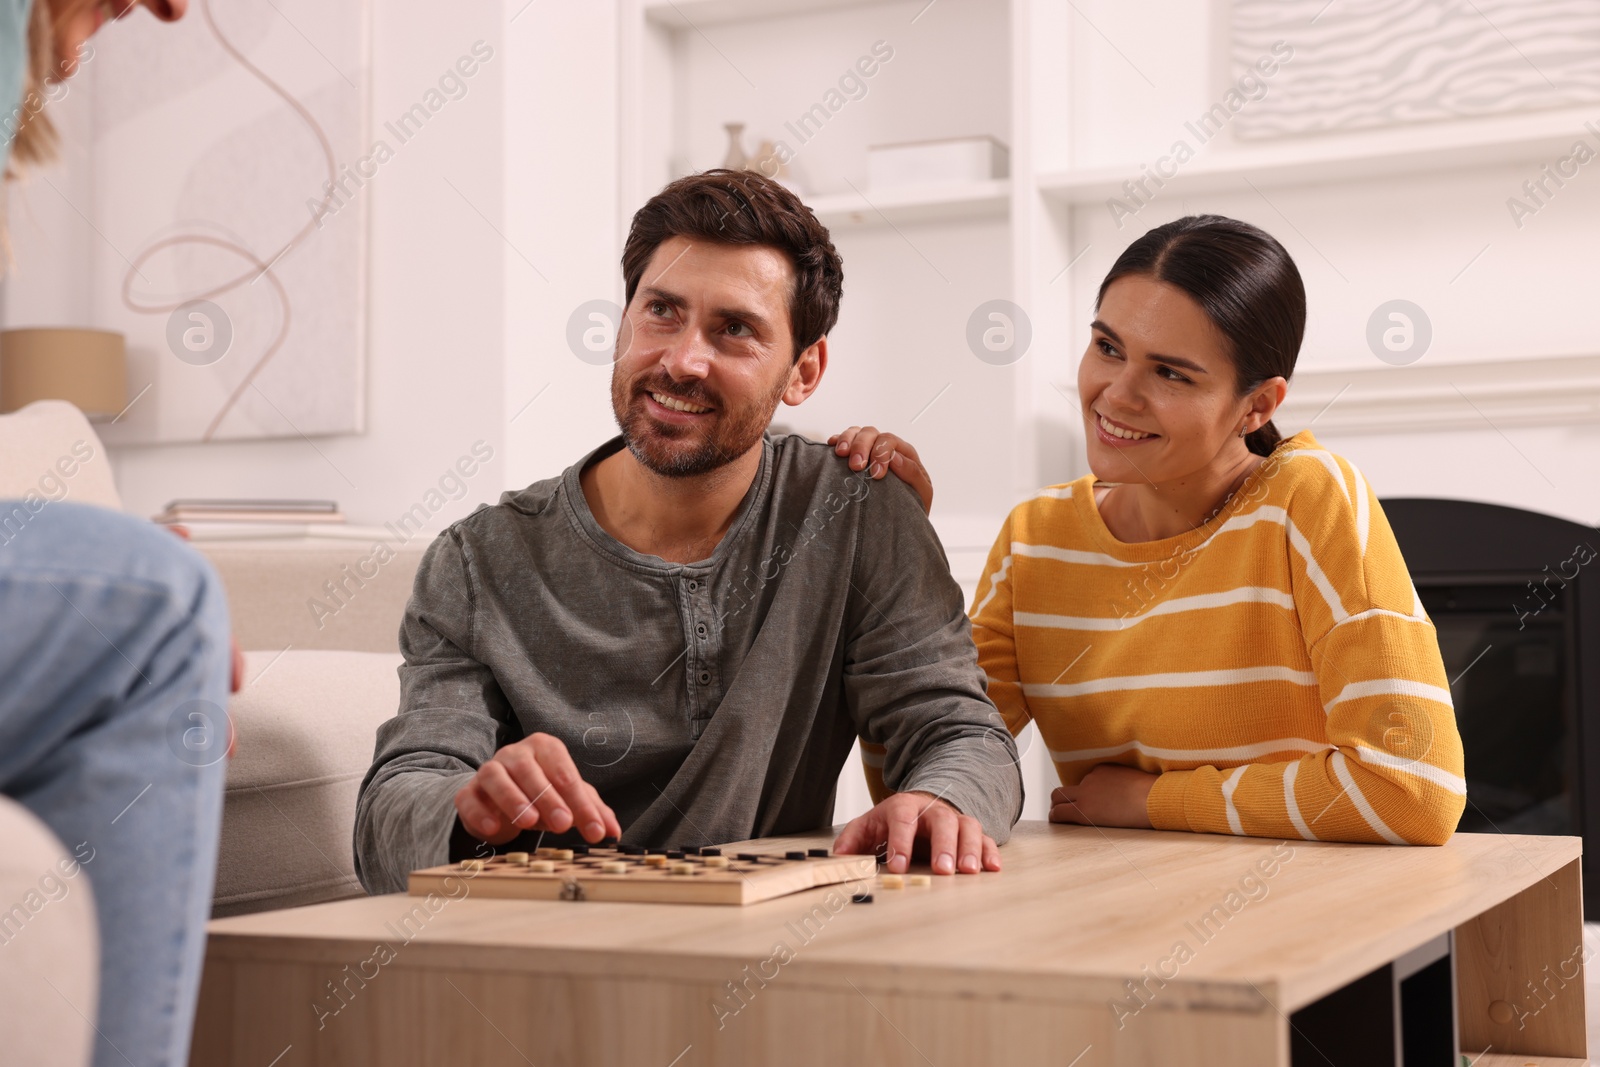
{"x":743,"y":207}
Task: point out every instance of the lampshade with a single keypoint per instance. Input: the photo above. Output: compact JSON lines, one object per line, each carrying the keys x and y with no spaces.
{"x":84,"y":367}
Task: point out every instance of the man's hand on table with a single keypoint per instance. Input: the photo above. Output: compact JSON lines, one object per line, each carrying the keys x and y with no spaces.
{"x":955,"y":842}
{"x":1109,"y":795}
{"x":532,"y":785}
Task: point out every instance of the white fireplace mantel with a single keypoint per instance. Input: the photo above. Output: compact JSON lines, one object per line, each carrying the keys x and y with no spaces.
{"x":1538,"y":391}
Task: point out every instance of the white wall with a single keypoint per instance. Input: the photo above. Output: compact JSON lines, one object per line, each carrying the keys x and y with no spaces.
{"x":562,"y":214}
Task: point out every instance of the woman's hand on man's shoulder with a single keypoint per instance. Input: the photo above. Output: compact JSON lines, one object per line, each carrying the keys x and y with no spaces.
{"x":879,"y":453}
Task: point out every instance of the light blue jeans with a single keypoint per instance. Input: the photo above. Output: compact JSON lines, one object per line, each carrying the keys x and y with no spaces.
{"x":114,"y":666}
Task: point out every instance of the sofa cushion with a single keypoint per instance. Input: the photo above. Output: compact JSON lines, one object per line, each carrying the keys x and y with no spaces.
{"x":305,"y":723}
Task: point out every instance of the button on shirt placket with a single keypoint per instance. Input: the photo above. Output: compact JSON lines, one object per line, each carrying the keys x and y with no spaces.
{"x":704,"y":651}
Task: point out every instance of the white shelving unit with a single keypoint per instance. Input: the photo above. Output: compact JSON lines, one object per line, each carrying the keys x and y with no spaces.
{"x":1331,"y":159}
{"x":687,"y":14}
{"x":979,"y":200}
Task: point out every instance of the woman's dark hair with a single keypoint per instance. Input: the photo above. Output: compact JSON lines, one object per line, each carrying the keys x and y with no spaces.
{"x":745,"y":208}
{"x":1244,"y":281}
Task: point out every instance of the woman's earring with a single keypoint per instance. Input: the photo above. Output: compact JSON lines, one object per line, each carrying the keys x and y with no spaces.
{"x":1241,"y":431}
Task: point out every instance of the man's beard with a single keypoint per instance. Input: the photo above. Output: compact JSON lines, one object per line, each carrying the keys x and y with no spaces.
{"x":688,"y":451}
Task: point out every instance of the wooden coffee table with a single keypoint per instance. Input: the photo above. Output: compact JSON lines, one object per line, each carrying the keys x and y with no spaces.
{"x":1071,"y":955}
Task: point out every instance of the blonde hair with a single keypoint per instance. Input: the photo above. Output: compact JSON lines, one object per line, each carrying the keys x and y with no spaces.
{"x":34,"y":138}
{"x":30,"y":135}
{"x":33,"y":135}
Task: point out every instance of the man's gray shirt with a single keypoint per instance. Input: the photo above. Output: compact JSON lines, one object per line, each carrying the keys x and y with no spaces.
{"x":706,"y":702}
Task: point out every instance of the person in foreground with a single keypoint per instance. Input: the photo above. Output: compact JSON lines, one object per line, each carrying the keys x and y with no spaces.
{"x":1215,"y":631}
{"x":678,"y":639}
{"x":116,"y":664}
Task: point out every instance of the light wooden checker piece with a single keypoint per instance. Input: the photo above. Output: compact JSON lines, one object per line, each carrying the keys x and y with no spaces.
{"x":553,"y":874}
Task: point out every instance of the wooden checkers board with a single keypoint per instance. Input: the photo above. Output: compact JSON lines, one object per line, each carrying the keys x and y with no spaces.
{"x":609,"y":873}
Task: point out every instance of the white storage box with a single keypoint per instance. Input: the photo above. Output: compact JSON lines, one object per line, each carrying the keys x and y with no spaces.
{"x":953,"y":161}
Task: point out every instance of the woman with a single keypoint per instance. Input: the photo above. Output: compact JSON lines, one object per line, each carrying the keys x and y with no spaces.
{"x":1215,"y":631}
{"x":112,"y":700}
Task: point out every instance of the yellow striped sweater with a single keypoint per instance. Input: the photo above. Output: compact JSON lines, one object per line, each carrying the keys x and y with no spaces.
{"x":1274,"y":665}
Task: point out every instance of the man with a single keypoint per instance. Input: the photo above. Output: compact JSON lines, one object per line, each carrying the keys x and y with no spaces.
{"x":677,"y":640}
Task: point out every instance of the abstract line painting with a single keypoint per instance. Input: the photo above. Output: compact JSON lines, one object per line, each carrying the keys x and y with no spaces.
{"x":1361,"y":64}
{"x":215,"y":140}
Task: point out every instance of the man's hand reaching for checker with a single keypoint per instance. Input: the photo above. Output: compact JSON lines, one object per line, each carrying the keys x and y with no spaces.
{"x":532,"y":784}
{"x":955,"y":843}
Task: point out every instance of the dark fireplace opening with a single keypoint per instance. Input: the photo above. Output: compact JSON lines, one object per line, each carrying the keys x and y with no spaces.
{"x":1523,"y":765}
{"x":1516,"y":604}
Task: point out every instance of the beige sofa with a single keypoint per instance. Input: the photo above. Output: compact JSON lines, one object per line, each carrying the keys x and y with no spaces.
{"x":315,"y":691}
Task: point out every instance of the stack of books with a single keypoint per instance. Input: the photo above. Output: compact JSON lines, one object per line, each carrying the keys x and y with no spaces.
{"x":187,"y":511}
{"x":224,"y":520}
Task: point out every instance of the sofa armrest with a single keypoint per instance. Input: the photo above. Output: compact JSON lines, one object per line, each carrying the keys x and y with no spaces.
{"x":48,"y":930}
{"x":316,"y":594}
{"x":49,"y":450}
